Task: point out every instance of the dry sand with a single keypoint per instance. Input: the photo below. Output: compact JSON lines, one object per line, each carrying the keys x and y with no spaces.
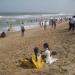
{"x":15,"y":47}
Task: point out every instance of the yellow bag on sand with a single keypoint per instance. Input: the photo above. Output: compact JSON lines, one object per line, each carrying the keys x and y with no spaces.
{"x":39,"y":63}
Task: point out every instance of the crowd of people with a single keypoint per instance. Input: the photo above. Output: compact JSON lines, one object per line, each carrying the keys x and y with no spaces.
{"x":51,"y":22}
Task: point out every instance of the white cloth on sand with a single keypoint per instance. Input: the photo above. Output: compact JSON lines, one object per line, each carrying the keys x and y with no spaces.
{"x":49,"y":59}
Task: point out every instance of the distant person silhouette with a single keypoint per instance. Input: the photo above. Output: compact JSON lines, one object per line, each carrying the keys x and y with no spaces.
{"x":49,"y":22}
{"x":45,"y":26}
{"x":53,"y":23}
{"x":22,"y":30}
{"x":42,"y":23}
{"x":71,"y":23}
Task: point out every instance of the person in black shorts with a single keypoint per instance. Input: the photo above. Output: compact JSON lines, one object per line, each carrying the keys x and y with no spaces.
{"x":22,"y":30}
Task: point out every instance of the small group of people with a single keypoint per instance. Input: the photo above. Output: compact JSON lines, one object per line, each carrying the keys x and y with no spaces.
{"x":43,"y":24}
{"x":44,"y":55}
{"x":39,"y":58}
{"x":52,"y":23}
{"x":71,"y":23}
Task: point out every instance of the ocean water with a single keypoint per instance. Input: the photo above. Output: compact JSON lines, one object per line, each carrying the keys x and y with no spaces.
{"x":28,"y":20}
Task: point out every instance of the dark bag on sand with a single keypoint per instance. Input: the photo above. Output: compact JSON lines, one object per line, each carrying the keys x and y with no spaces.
{"x":54,"y":53}
{"x":3,"y":34}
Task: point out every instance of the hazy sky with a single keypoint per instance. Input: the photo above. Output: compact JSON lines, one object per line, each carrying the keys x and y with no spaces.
{"x":60,"y":6}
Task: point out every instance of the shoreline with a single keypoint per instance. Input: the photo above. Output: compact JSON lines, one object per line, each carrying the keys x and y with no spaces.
{"x":18,"y":28}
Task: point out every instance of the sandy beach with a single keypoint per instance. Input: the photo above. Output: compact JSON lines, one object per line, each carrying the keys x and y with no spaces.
{"x":14,"y":47}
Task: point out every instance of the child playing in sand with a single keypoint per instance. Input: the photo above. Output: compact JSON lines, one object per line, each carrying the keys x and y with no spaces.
{"x":48,"y":58}
{"x":36,"y":58}
{"x":37,"y":53}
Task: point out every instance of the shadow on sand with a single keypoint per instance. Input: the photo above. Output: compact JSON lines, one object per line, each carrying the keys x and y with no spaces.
{"x":73,"y":33}
{"x":27,"y":65}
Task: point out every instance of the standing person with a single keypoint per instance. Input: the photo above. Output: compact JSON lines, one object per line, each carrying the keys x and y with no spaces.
{"x":53,"y":23}
{"x":40,"y":23}
{"x":45,"y":26}
{"x":22,"y":30}
{"x":49,"y":22}
{"x":73,"y":27}
{"x":70,"y":24}
{"x":60,"y":20}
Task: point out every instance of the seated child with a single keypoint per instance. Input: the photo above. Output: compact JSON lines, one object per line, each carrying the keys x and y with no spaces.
{"x":48,"y":58}
{"x":36,"y":58}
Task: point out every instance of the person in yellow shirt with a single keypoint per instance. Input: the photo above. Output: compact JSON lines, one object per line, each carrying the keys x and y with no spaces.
{"x":36,"y":58}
